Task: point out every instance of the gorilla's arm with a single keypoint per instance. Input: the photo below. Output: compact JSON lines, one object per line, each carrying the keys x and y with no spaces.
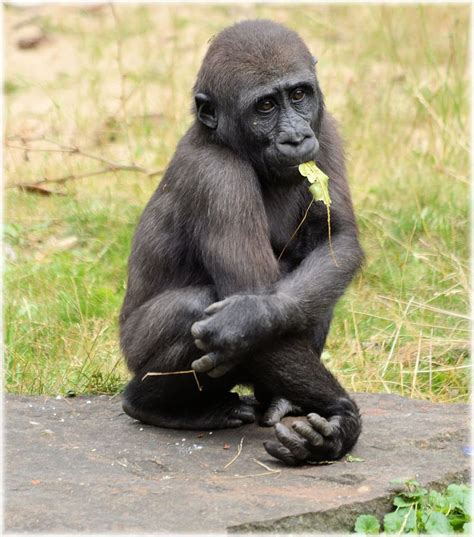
{"x":230,"y":227}
{"x":317,"y":284}
{"x":232,"y":239}
{"x":322,"y":277}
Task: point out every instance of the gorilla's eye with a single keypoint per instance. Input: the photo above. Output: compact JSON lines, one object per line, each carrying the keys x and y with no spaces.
{"x":298,"y":95}
{"x":265,"y":106}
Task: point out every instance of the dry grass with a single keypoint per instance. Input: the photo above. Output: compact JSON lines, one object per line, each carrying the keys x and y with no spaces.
{"x":118,"y":86}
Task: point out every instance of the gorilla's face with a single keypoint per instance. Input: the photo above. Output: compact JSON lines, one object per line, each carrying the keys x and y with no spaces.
{"x":257,"y":93}
{"x":278,"y":123}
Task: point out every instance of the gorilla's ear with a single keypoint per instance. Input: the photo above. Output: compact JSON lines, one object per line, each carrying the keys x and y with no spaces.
{"x":206,"y":110}
{"x":315,"y":60}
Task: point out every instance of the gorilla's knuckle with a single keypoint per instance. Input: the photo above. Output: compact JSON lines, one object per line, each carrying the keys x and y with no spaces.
{"x":197,"y":330}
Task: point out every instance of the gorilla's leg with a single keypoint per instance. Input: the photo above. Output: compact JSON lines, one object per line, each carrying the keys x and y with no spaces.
{"x":157,"y":338}
{"x":277,"y":407}
{"x":217,"y":411}
{"x":291,"y":369}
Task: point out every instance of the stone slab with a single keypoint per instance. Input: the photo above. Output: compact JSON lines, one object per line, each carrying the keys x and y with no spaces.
{"x":82,"y":465}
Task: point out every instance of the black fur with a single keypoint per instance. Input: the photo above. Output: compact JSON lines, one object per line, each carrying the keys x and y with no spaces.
{"x":204,"y":274}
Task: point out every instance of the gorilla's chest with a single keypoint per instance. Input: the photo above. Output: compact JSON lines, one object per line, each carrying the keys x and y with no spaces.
{"x":288,"y":238}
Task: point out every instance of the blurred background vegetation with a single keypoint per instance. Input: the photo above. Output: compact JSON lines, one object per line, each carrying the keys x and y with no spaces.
{"x":96,"y":100}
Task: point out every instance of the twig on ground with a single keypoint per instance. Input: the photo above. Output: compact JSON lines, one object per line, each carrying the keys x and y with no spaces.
{"x":59,"y":180}
{"x":253,"y":475}
{"x":74,"y":150}
{"x":41,"y":190}
{"x":239,"y":451}
{"x":272,"y":470}
{"x":111,"y":166}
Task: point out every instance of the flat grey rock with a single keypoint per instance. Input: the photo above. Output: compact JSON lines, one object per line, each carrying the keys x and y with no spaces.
{"x":82,"y":465}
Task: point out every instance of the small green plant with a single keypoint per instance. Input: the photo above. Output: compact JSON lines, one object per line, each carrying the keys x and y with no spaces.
{"x":418,"y":510}
{"x":319,"y":188}
{"x":319,"y":182}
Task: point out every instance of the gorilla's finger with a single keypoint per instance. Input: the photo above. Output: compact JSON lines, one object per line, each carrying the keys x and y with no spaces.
{"x":306,"y":431}
{"x":269,"y":419}
{"x":246,"y":407}
{"x":245,"y":413}
{"x":198,"y":330}
{"x":247,"y":417}
{"x":320,"y":424}
{"x":292,"y":441}
{"x":278,"y":409}
{"x":335,"y":422}
{"x":234,"y":423}
{"x":200,"y":344}
{"x":205,"y":363}
{"x":275,"y":449}
{"x":213,"y":308}
{"x":220,"y":370}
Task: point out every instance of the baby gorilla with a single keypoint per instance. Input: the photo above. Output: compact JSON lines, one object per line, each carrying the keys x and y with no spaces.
{"x":219,"y":281}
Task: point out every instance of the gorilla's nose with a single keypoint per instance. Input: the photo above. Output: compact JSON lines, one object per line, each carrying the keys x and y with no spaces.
{"x":297,"y":147}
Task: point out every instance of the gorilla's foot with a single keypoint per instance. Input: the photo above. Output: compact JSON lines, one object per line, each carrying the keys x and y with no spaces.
{"x":224,"y":413}
{"x":317,"y":439}
{"x":278,"y":409}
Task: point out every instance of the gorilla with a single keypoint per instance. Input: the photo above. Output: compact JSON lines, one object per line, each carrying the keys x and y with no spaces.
{"x":219,"y":283}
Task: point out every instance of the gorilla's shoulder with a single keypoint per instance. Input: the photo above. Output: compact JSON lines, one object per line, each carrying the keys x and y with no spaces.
{"x":206,"y":163}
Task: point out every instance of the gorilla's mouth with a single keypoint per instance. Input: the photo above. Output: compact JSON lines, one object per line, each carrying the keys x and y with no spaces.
{"x":294,"y":166}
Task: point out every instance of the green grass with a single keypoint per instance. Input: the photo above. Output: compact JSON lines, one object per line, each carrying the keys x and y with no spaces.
{"x":397,"y":84}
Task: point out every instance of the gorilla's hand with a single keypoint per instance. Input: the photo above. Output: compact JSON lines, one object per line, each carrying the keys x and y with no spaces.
{"x":312,"y":441}
{"x":235,"y":325}
{"x":317,"y":439}
{"x":215,"y":364}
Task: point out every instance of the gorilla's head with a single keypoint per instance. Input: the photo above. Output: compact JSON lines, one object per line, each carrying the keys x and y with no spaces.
{"x":257,"y":92}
